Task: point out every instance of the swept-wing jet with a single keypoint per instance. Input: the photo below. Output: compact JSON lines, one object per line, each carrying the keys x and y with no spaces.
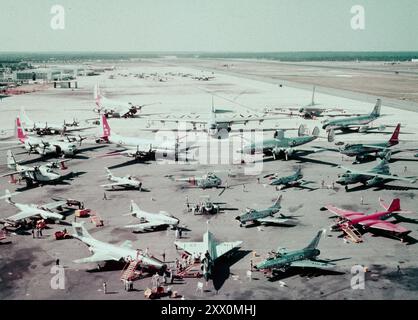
{"x":207,"y":251}
{"x":42,"y":174}
{"x":140,"y":147}
{"x":281,"y":145}
{"x":123,"y":182}
{"x":266,"y":216}
{"x":48,"y":128}
{"x":114,"y":108}
{"x":376,"y":221}
{"x":103,"y":251}
{"x":294,"y":180}
{"x":376,"y":176}
{"x":44,"y":146}
{"x":284,"y":259}
{"x":32,"y":210}
{"x":149,"y":220}
{"x":361,"y":151}
{"x":359,"y":123}
{"x":209,"y":180}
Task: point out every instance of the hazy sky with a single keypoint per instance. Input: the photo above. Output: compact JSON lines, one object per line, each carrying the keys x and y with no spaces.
{"x":208,"y":25}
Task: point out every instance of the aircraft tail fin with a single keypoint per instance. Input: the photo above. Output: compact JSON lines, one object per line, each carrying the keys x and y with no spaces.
{"x":109,"y":173}
{"x":134,"y":207}
{"x":79,"y":231}
{"x":105,"y":126}
{"x":376,"y":109}
{"x":20,"y":131}
{"x":278,"y":201}
{"x":314,"y":243}
{"x":313,"y":96}
{"x":394,"y":139}
{"x":331,"y":135}
{"x":395,"y":205}
{"x":315,"y":132}
{"x":24,"y":117}
{"x":8,"y":197}
{"x":97,"y":95}
{"x":11,"y":160}
{"x":301,"y":130}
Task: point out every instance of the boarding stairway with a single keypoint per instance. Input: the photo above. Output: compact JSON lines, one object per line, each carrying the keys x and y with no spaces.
{"x":191,"y":271}
{"x":96,"y":219}
{"x":351,"y":233}
{"x":129,"y":272}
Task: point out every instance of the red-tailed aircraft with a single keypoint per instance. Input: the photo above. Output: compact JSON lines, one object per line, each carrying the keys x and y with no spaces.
{"x":375,"y":220}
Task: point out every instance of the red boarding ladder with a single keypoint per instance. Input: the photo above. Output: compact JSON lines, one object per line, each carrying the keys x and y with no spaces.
{"x":352,"y":233}
{"x":96,"y":219}
{"x":129,"y":272}
{"x":191,"y":271}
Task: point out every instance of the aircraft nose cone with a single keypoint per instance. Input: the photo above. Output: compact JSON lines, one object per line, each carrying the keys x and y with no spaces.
{"x":238,"y":218}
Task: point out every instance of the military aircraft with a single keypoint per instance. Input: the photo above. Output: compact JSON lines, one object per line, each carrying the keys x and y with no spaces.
{"x":32,"y":211}
{"x":281,"y":145}
{"x":148,"y":220}
{"x":140,"y":147}
{"x":103,"y":251}
{"x":48,"y":128}
{"x":360,"y":123}
{"x":294,"y":180}
{"x":266,"y":216}
{"x":374,"y":221}
{"x":124,"y":182}
{"x":114,"y":108}
{"x":42,"y":174}
{"x":42,"y":146}
{"x":364,"y":150}
{"x":207,"y":251}
{"x":376,"y":176}
{"x":209,"y":180}
{"x":284,"y":259}
{"x":206,"y":206}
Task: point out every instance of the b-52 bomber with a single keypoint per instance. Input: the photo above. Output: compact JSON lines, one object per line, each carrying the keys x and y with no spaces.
{"x":123,"y":182}
{"x":294,"y":180}
{"x":281,"y":145}
{"x":376,"y":176}
{"x":42,"y":174}
{"x":304,"y":258}
{"x":266,"y":216}
{"x":150,"y":221}
{"x":28,"y":211}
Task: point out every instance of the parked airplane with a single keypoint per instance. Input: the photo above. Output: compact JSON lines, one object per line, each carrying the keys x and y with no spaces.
{"x":140,"y":147}
{"x":42,"y":174}
{"x":376,"y":176}
{"x":209,"y":180}
{"x":207,"y":251}
{"x":32,"y":210}
{"x":376,"y":221}
{"x":48,"y":128}
{"x":281,"y":145}
{"x":360,"y":123}
{"x":284,"y":259}
{"x":266,"y":216}
{"x":124,"y":182}
{"x":42,"y":146}
{"x":103,"y":251}
{"x":294,"y":180}
{"x":150,"y":221}
{"x":117,"y":109}
{"x":361,"y":151}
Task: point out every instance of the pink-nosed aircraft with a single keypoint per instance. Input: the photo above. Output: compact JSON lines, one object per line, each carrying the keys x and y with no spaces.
{"x":375,"y":220}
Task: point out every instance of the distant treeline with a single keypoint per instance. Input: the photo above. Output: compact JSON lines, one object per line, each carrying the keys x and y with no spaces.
{"x":280,"y":56}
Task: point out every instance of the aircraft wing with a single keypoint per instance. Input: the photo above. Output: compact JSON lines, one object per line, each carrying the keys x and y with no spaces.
{"x":194,"y":248}
{"x":23,"y":215}
{"x":384,"y":226}
{"x":344,"y":213}
{"x":53,"y":205}
{"x":386,"y":176}
{"x":99,"y":256}
{"x":312,"y":264}
{"x":370,"y":146}
{"x":114,"y":184}
{"x":143,"y":226}
{"x":225,"y":247}
{"x":276,"y":220}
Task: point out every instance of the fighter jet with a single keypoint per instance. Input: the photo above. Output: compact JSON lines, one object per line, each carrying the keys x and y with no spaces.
{"x":294,"y":180}
{"x":32,"y":211}
{"x":360,"y":123}
{"x":281,"y":145}
{"x":266,"y":216}
{"x":363,"y":150}
{"x":44,"y":146}
{"x":42,"y":174}
{"x":103,"y":251}
{"x":48,"y":128}
{"x":304,"y":258}
{"x":209,"y":180}
{"x":124,"y":182}
{"x":140,"y":147}
{"x":376,"y":176}
{"x":148,"y":220}
{"x":207,"y":251}
{"x":116,"y":109}
{"x":374,"y":221}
